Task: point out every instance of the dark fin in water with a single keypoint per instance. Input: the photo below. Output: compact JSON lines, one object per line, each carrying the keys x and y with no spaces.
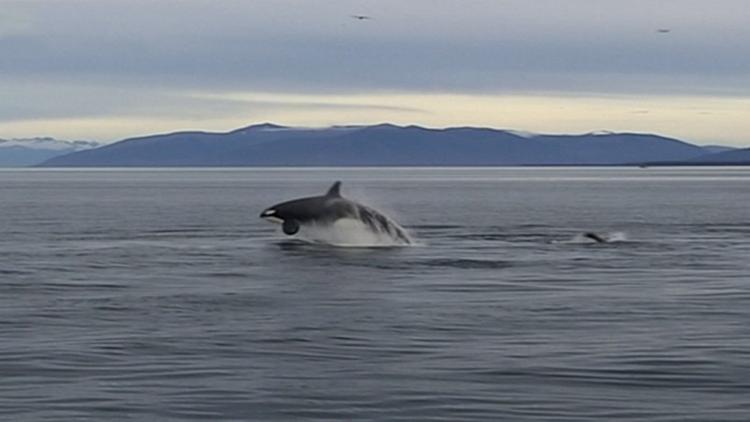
{"x":290,"y":227}
{"x":595,"y":237}
{"x":335,"y":190}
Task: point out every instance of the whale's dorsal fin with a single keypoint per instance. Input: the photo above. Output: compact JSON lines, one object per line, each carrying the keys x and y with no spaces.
{"x":335,"y":190}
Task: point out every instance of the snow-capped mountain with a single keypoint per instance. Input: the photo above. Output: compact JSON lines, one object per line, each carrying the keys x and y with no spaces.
{"x":379,"y":145}
{"x":32,"y":151}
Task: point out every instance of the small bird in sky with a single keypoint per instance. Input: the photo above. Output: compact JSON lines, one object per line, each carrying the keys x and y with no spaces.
{"x":664,"y":30}
{"x":360,"y":17}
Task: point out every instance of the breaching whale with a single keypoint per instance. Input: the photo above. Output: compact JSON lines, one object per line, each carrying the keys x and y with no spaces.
{"x":327,"y":209}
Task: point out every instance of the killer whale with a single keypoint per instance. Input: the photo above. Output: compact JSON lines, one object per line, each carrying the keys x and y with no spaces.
{"x":328,"y":209}
{"x":595,"y":237}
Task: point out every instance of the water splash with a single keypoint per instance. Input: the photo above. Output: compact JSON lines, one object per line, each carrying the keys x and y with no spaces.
{"x":618,"y":237}
{"x":349,"y":232}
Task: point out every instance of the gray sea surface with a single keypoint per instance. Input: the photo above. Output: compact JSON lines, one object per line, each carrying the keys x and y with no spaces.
{"x":158,"y":294}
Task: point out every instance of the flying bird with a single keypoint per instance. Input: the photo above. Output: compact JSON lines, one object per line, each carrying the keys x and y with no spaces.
{"x":664,"y":30}
{"x":360,"y":17}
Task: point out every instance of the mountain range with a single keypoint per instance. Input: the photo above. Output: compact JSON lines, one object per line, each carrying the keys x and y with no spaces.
{"x":732,"y":157}
{"x":32,"y":151}
{"x":387,"y":145}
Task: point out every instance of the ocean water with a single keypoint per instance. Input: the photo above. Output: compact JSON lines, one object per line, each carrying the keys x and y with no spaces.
{"x":160,"y":295}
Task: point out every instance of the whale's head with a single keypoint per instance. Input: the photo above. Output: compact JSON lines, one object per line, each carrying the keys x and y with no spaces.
{"x":291,"y":214}
{"x":272,"y":214}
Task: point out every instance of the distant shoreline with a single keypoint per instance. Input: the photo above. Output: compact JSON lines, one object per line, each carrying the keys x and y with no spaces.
{"x":530,"y":166}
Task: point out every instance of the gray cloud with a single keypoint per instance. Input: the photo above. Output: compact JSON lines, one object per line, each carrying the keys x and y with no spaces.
{"x":447,"y":46}
{"x":60,"y":101}
{"x":92,"y":58}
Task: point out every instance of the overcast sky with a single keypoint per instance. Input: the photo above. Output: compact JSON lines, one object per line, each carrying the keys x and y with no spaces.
{"x":108,"y":69}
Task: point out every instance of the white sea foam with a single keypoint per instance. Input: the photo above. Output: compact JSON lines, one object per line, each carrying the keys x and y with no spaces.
{"x":350,"y":232}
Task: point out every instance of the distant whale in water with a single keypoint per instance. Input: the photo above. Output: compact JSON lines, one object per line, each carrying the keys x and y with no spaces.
{"x":329,"y":210}
{"x":604,"y":237}
{"x":595,"y":237}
